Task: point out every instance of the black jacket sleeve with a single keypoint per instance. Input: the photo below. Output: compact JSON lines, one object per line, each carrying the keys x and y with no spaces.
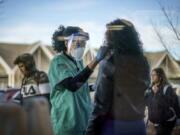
{"x":74,"y":83}
{"x":173,"y":99}
{"x":103,"y":100}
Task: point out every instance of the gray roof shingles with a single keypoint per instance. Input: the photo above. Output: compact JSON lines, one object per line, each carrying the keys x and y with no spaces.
{"x":10,"y":51}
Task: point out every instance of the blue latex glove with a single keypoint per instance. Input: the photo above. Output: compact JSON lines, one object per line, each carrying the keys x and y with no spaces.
{"x":101,"y":53}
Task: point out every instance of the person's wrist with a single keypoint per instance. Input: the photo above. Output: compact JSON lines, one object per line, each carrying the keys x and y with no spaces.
{"x":97,"y":60}
{"x":93,"y":64}
{"x":89,"y":69}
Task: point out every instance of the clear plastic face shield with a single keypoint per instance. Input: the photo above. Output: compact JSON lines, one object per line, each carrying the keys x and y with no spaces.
{"x":77,"y":44}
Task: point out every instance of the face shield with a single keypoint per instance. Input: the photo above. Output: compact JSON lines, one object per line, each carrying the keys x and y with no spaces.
{"x":77,"y":44}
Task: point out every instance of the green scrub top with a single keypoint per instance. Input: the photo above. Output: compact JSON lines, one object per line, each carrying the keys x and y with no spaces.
{"x":70,"y":110}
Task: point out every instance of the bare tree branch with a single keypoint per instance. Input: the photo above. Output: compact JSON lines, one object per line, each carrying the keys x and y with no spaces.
{"x":172,"y":18}
{"x":161,"y":39}
{"x":171,"y":24}
{"x":169,"y":20}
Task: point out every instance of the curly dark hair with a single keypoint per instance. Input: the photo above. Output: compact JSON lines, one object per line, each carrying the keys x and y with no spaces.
{"x":62,"y":31}
{"x":27,"y":59}
{"x":125,"y":41}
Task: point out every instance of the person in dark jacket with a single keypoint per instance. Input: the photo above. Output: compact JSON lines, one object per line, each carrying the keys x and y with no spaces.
{"x":162,"y":102}
{"x":122,"y":80}
{"x":35,"y":83}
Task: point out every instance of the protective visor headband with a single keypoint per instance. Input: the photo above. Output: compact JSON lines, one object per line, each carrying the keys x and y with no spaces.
{"x":79,"y":36}
{"x":75,"y":36}
{"x":115,"y":27}
{"x":120,"y":27}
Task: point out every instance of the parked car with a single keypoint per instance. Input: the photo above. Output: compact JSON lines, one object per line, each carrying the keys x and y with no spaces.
{"x":8,"y":94}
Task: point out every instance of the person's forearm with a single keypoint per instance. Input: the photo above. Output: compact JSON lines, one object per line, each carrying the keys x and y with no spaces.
{"x":93,"y":64}
{"x":74,"y":83}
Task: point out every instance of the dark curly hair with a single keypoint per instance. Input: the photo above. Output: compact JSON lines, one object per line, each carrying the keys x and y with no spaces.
{"x":125,"y":41}
{"x":27,"y":59}
{"x":62,"y":31}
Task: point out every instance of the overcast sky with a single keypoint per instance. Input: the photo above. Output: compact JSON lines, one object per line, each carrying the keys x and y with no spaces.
{"x":27,"y":21}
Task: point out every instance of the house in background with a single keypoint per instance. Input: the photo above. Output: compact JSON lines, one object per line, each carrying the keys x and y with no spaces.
{"x":11,"y":76}
{"x":168,"y":63}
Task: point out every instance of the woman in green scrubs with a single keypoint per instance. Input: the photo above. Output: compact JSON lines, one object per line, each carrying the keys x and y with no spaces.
{"x":70,"y":99}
